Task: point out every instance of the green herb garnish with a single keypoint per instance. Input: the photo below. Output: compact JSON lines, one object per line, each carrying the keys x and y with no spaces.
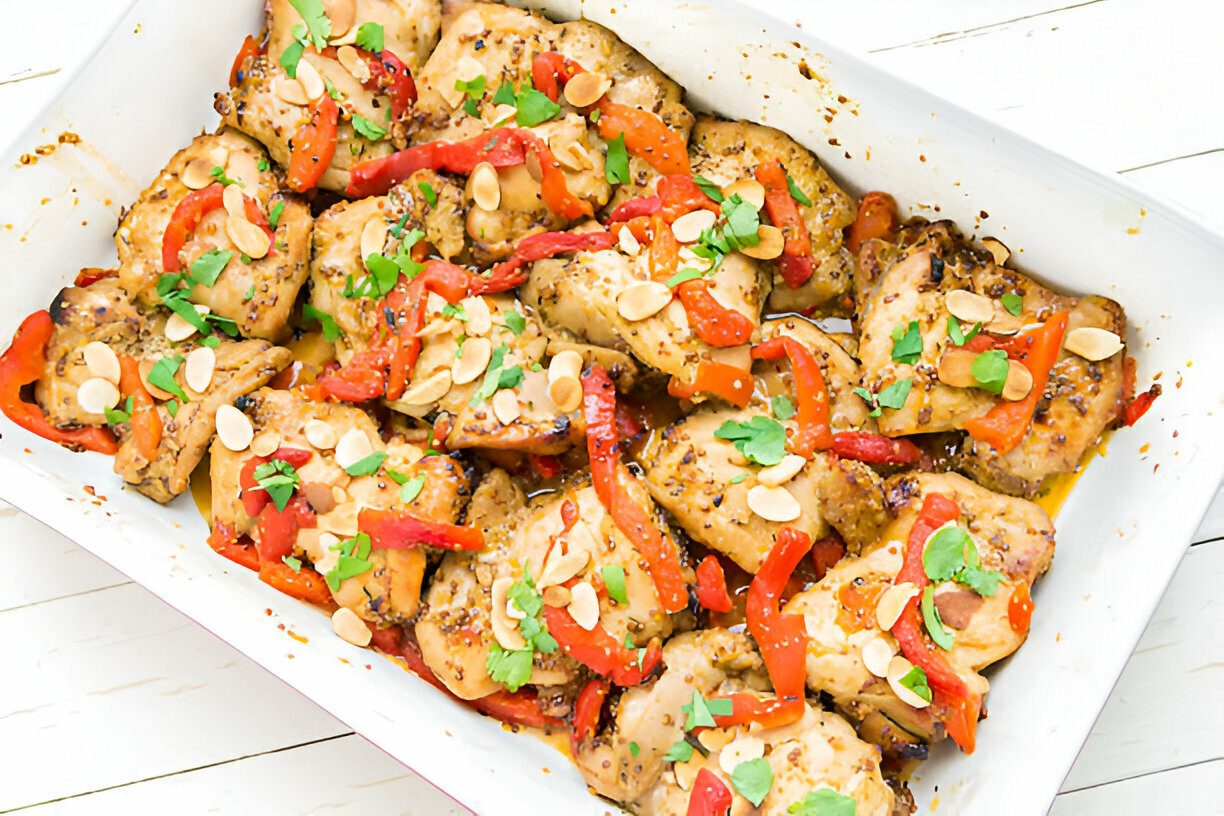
{"x":761,"y":439}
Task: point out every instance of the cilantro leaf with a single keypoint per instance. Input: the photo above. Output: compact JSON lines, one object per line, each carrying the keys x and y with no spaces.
{"x":907,"y":343}
{"x":680,"y":751}
{"x":796,"y":193}
{"x":274,"y":215}
{"x":207,"y":268}
{"x":117,"y":417}
{"x":944,"y":554}
{"x":294,"y":564}
{"x":331,"y":332}
{"x":869,"y":398}
{"x":916,"y":681}
{"x":959,"y":337}
{"x":278,"y":478}
{"x":753,"y":779}
{"x":219,"y":174}
{"x":761,"y":439}
{"x":367,"y":465}
{"x":824,"y":802}
{"x":367,"y":128}
{"x":983,"y":582}
{"x":497,"y":376}
{"x":990,"y":370}
{"x":427,"y":190}
{"x":782,"y":407}
{"x":712,"y":190}
{"x":290,"y":58}
{"x":412,"y":488}
{"x":701,"y":712}
{"x":513,"y":669}
{"x":505,"y":95}
{"x":742,"y":223}
{"x":352,"y":561}
{"x":534,"y":108}
{"x":614,"y":580}
{"x":162,"y":375}
{"x":930,"y":617}
{"x":737,"y":478}
{"x":316,"y":19}
{"x":683,"y":276}
{"x":515,"y":322}
{"x":616,"y":163}
{"x":370,"y":37}
{"x":474,"y":88}
{"x":1012,"y":303}
{"x":894,"y":396}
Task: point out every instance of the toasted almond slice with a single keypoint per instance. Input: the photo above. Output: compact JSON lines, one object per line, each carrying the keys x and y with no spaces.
{"x":197,"y":174}
{"x":101,"y":361}
{"x":250,"y":239}
{"x":484,"y":186}
{"x":735,"y":356}
{"x":898,"y":667}
{"x":894,"y":599}
{"x":265,"y":444}
{"x":218,"y":156}
{"x":198,"y":369}
{"x":770,"y":245}
{"x":474,"y":356}
{"x":1004,"y":322}
{"x":688,"y":227}
{"x":586,"y":88}
{"x":350,"y":627}
{"x":715,"y":739}
{"x":556,"y":596}
{"x":686,"y":772}
{"x":353,"y":447}
{"x":877,"y":653}
{"x":479,"y":316}
{"x":969,"y":307}
{"x":584,"y":605}
{"x":498,"y":114}
{"x":97,"y":394}
{"x":352,"y":62}
{"x":998,"y":249}
{"x":342,"y":13}
{"x":429,"y":390}
{"x":640,"y":300}
{"x":566,"y":393}
{"x":505,"y":628}
{"x":234,"y":428}
{"x":740,"y":750}
{"x":177,"y":329}
{"x":1092,"y":343}
{"x":773,"y":503}
{"x":466,"y":69}
{"x":629,"y":244}
{"x":955,"y":367}
{"x":1019,"y":381}
{"x":561,"y":567}
{"x":290,"y":90}
{"x":506,"y":406}
{"x":320,"y":434}
{"x":582,"y":155}
{"x":339,"y":494}
{"x":244,"y":166}
{"x":560,"y":145}
{"x":565,"y":364}
{"x":373,"y":237}
{"x":782,"y":472}
{"x":234,"y":201}
{"x":145,"y":366}
{"x":311,"y":80}
{"x":749,"y":189}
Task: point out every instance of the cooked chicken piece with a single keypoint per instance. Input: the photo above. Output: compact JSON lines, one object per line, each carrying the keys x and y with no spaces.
{"x":410,"y":27}
{"x":259,"y":295}
{"x":1012,"y":536}
{"x":456,"y":631}
{"x":819,"y":750}
{"x":241,"y":367}
{"x":389,"y":592}
{"x":1080,"y":401}
{"x":577,"y":299}
{"x":725,"y":152}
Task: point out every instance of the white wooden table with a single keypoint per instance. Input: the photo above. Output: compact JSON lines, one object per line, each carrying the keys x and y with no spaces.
{"x":112,"y":702}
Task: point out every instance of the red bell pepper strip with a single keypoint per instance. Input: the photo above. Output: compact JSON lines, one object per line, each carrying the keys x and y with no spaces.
{"x":511,"y":273}
{"x":278,"y":529}
{"x":546,"y":467}
{"x":588,"y":708}
{"x":782,"y":638}
{"x":254,"y":497}
{"x":599,"y":651}
{"x":664,"y":250}
{"x":1139,"y":406}
{"x":712,"y":585}
{"x":145,"y":421}
{"x":91,"y":275}
{"x":187,"y":215}
{"x":952,"y":692}
{"x":249,"y":49}
{"x":875,"y":449}
{"x":1020,"y":609}
{"x":389,"y":75}
{"x":710,"y":796}
{"x":1005,"y":425}
{"x":362,"y":379}
{"x":826,"y":552}
{"x":306,"y":584}
{"x":312,"y":147}
{"x":397,"y":529}
{"x":812,"y":411}
{"x":634,"y":208}
{"x":550,"y":71}
{"x":784,"y":214}
{"x":877,"y":218}
{"x":722,"y":380}
{"x":646,"y":136}
{"x":441,"y":277}
{"x":679,"y":195}
{"x":714,"y":323}
{"x":224,"y":541}
{"x":21,"y":364}
{"x":769,"y":712}
{"x":609,"y":476}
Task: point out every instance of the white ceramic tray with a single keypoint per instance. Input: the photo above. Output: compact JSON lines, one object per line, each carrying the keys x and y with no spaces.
{"x":1120,"y":535}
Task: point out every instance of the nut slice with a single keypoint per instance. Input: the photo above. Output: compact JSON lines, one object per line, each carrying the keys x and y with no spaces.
{"x":177,"y":329}
{"x":956,"y":368}
{"x":773,"y":503}
{"x":564,"y":380}
{"x":265,"y":444}
{"x":1092,"y":343}
{"x":969,"y":307}
{"x":586,"y":88}
{"x":563,"y":566}
{"x":197,"y":174}
{"x":479,"y":316}
{"x":506,"y":406}
{"x":998,"y":249}
{"x":373,"y":237}
{"x":198,"y":369}
{"x":310,"y":79}
{"x":770,"y":245}
{"x":234,"y":429}
{"x":688,"y":227}
{"x":629,"y":244}
{"x":877,"y":654}
{"x":782,"y":472}
{"x":892,"y":602}
{"x":234,"y":201}
{"x":505,"y":628}
{"x":321,"y":434}
{"x":473,"y":359}
{"x":484,"y":187}
{"x":342,"y":14}
{"x":1019,"y":381}
{"x":643,"y":299}
{"x":898,"y":667}
{"x":750,"y":190}
{"x":429,"y":390}
{"x":352,"y":62}
{"x":101,"y":361}
{"x":350,"y":627}
{"x":97,"y":394}
{"x":290,"y":90}
{"x":250,"y":239}
{"x":353,"y":447}
{"x":584,"y":605}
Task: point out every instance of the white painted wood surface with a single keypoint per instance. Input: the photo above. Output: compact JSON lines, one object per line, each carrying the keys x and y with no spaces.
{"x":111,"y":702}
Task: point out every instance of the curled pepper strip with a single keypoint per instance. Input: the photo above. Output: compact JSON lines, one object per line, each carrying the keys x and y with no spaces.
{"x":224,"y":542}
{"x":1005,"y":425}
{"x":390,"y":75}
{"x":588,"y":708}
{"x":768,"y":712}
{"x":875,"y":449}
{"x":782,"y":638}
{"x":712,"y":585}
{"x":877,"y":218}
{"x":609,"y":475}
{"x":714,"y":323}
{"x":511,"y":273}
{"x":397,"y":529}
{"x":188,"y":214}
{"x":278,"y":529}
{"x":679,"y":195}
{"x":254,"y":497}
{"x":444,"y":279}
{"x":249,"y":49}
{"x":145,"y":421}
{"x":722,"y":380}
{"x":550,"y":71}
{"x":952,"y":692}
{"x":306,"y":584}
{"x":634,"y":208}
{"x":21,"y":364}
{"x":710,"y":796}
{"x":812,"y":396}
{"x":646,"y":136}
{"x":599,"y":651}
{"x":314,"y":144}
{"x":795,"y":263}
{"x":1137,"y":407}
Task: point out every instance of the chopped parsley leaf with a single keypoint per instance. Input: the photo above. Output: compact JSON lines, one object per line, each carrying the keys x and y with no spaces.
{"x":683,"y":276}
{"x":916,"y":681}
{"x":782,"y":407}
{"x":990,"y":370}
{"x":412,"y":488}
{"x":681,"y":751}
{"x":958,"y":335}
{"x":317,"y":22}
{"x":701,"y":712}
{"x":366,"y":465}
{"x":761,"y":439}
{"x":278,"y":478}
{"x":162,"y":375}
{"x":515,"y":322}
{"x":616,"y":163}
{"x":207,"y":268}
{"x":796,"y":193}
{"x":614,"y":580}
{"x":753,"y":779}
{"x":1012,"y":303}
{"x":370,"y":37}
{"x":294,"y":564}
{"x":894,"y":395}
{"x":367,"y":128}
{"x":534,"y":108}
{"x":505,"y":95}
{"x":824,"y":802}
{"x":930,"y":617}
{"x":427,"y":190}
{"x":907,"y":343}
{"x":352,"y":562}
{"x":474,"y":88}
{"x":712,"y":190}
{"x":219,"y":174}
{"x":274,"y":215}
{"x":331,"y":332}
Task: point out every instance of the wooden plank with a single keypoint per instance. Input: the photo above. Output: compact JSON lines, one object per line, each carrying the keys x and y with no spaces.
{"x":1189,"y":791}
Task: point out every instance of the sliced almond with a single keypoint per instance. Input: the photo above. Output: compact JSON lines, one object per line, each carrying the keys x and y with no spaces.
{"x":197,"y":174}
{"x":320,"y":434}
{"x":892,"y":602}
{"x":234,"y":428}
{"x":350,"y":627}
{"x":770,"y":244}
{"x":564,"y":383}
{"x":290,"y":90}
{"x":484,"y":186}
{"x":629,"y":244}
{"x":354,"y":446}
{"x":1004,"y":322}
{"x":342,"y":520}
{"x":428,"y":390}
{"x":144,"y":367}
{"x":640,"y":300}
{"x":716,"y":739}
{"x":198,"y":369}
{"x":234,"y":201}
{"x":565,"y":364}
{"x":218,"y":156}
{"x":686,"y":772}
{"x":586,"y":88}
{"x":532,"y":166}
{"x":782,"y":472}
{"x":969,"y":307}
{"x":342,"y":14}
{"x":250,"y":239}
{"x":773,"y":503}
{"x":1092,"y":343}
{"x":998,"y":249}
{"x":505,"y":628}
{"x":557,"y":597}
{"x":466,"y":69}
{"x":352,"y":62}
{"x":898,"y":667}
{"x":339,"y":495}
{"x":688,"y":227}
{"x":560,"y":145}
{"x":563,"y":566}
{"x":750,"y":190}
{"x":265,"y":444}
{"x":473,"y":359}
{"x":498,"y":114}
{"x":956,"y":367}
{"x":740,"y":750}
{"x":243,"y":165}
{"x":877,"y":653}
{"x":177,"y":329}
{"x":101,"y":361}
{"x":584,"y":605}
{"x":1019,"y":381}
{"x":479,"y":317}
{"x":373,"y":237}
{"x":310,"y":79}
{"x":97,"y":394}
{"x":506,"y":406}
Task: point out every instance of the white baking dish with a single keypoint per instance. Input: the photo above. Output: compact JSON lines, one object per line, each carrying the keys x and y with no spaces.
{"x":1121,"y":534}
